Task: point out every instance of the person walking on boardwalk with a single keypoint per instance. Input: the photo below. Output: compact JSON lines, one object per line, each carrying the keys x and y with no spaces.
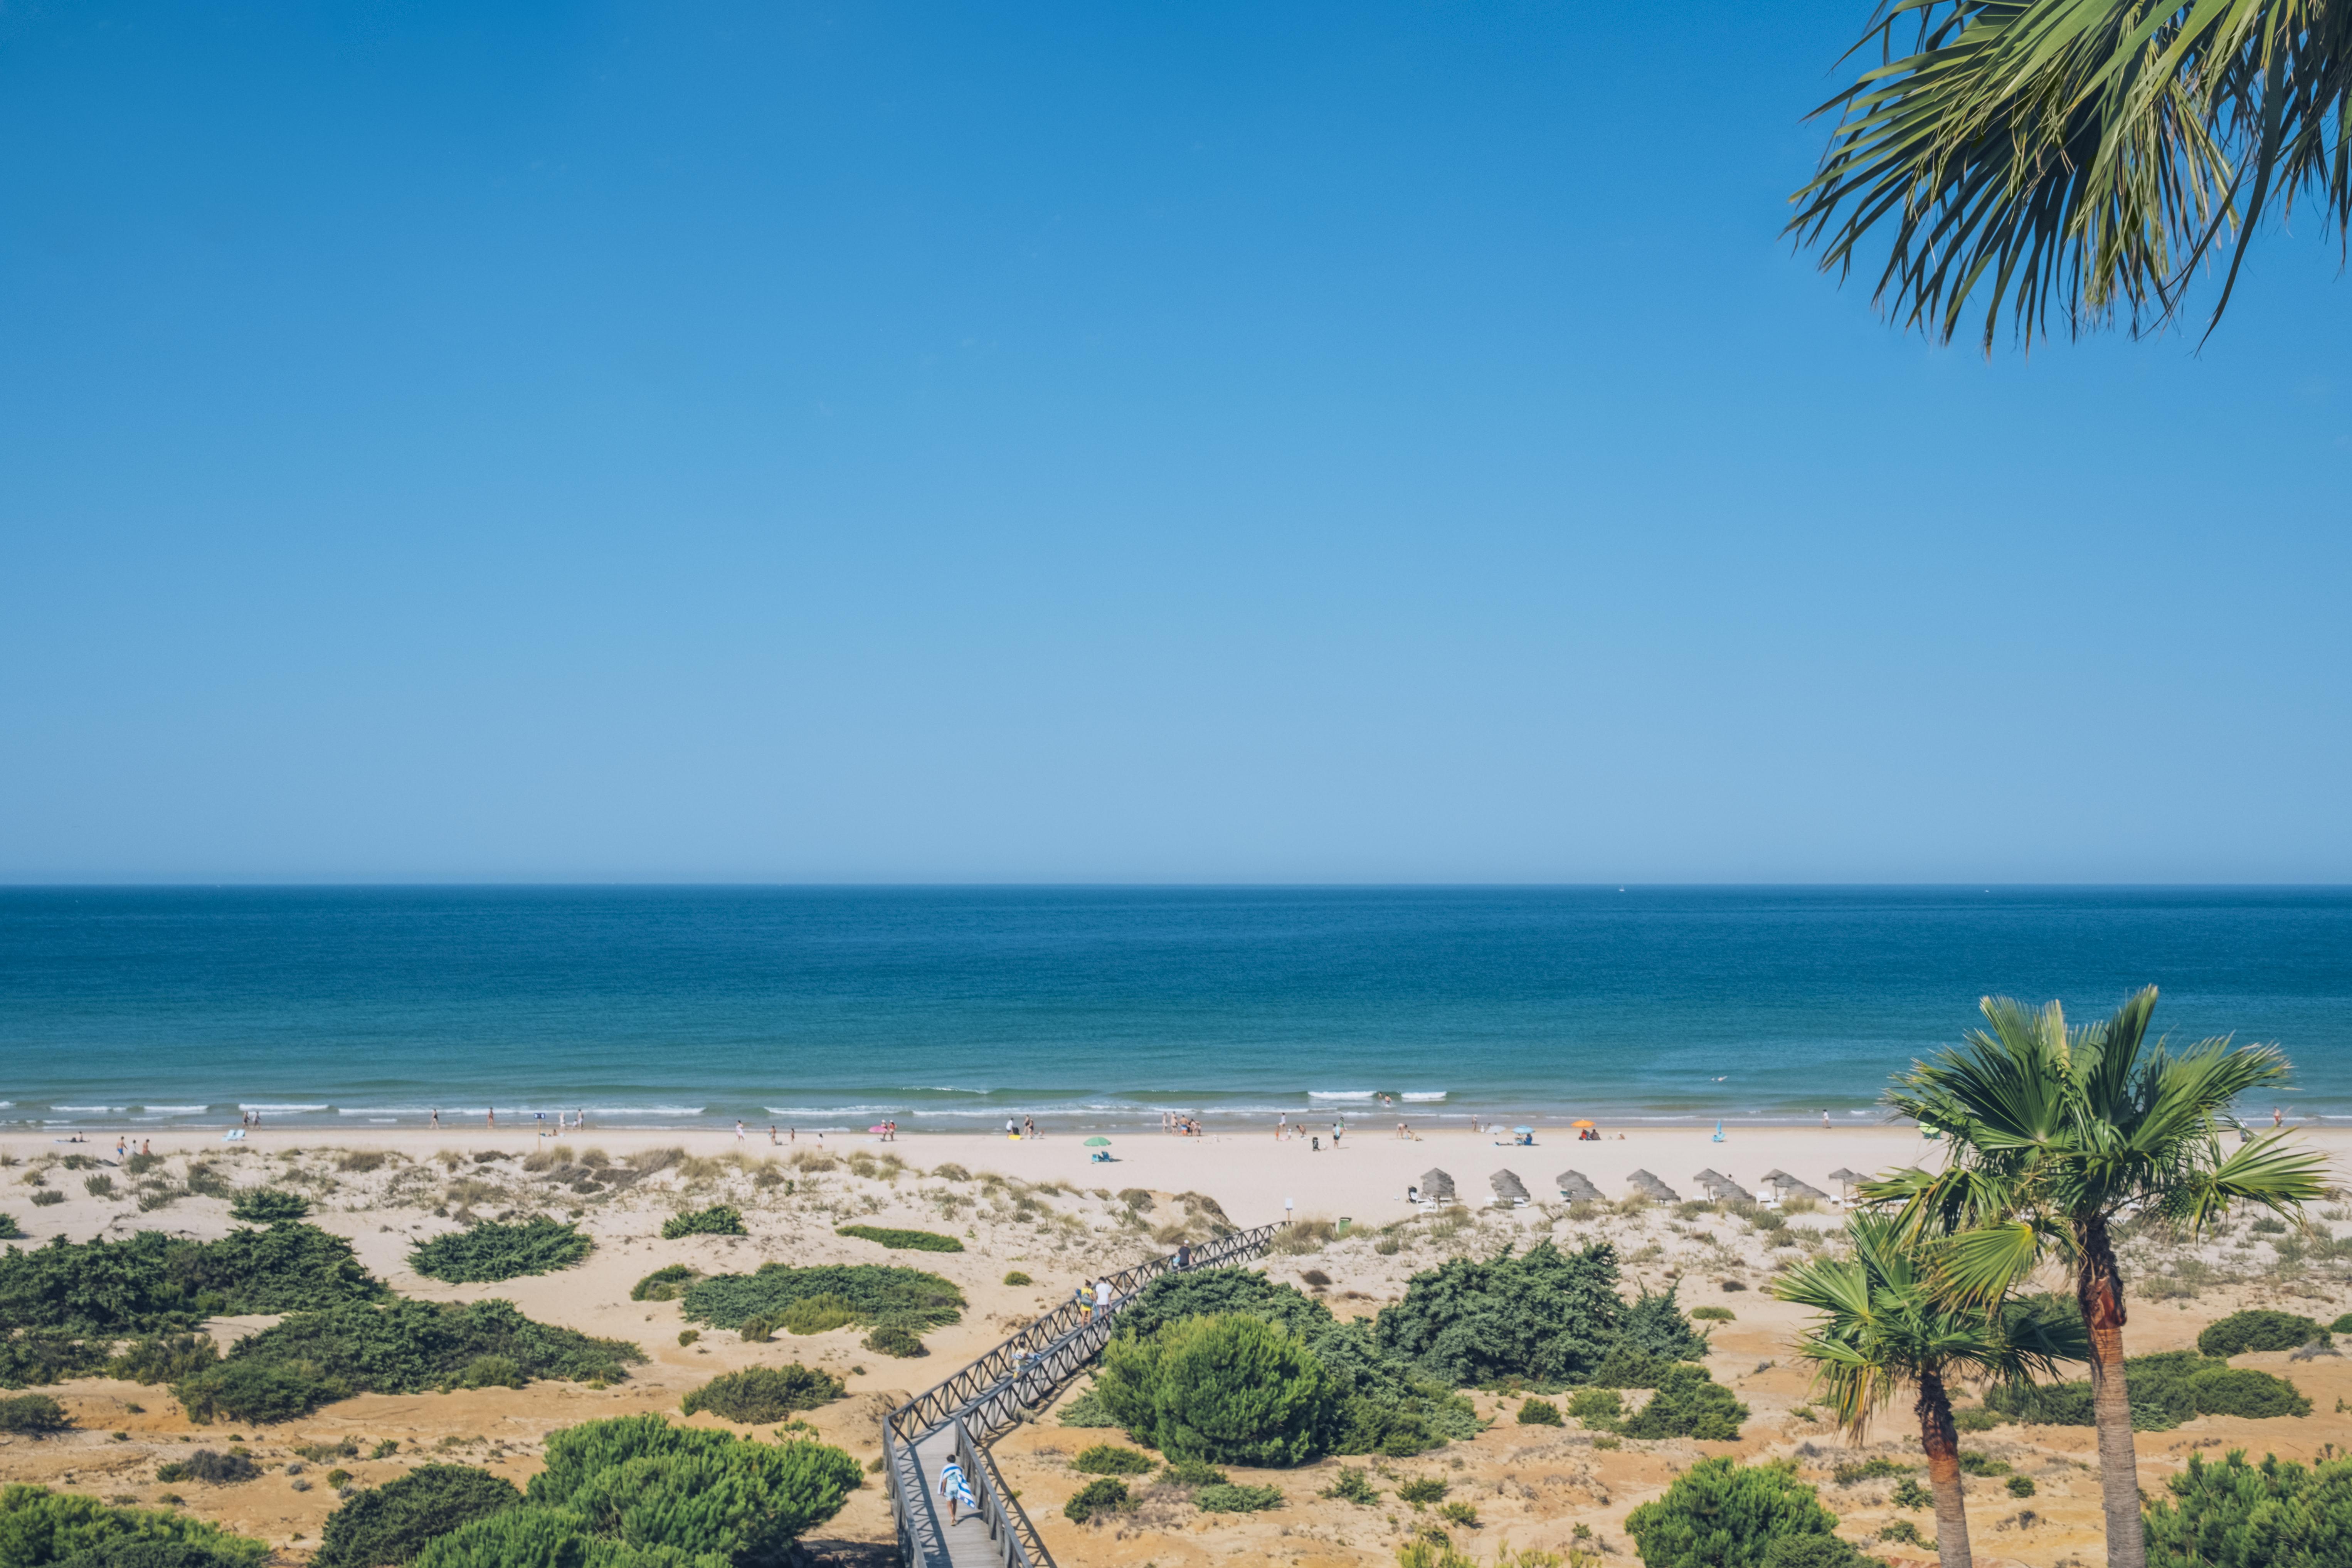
{"x":1102,"y":1296}
{"x":1085,"y":1298}
{"x":955,"y":1491}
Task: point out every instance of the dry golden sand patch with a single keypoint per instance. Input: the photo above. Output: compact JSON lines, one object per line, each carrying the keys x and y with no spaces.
{"x":1040,"y":1208}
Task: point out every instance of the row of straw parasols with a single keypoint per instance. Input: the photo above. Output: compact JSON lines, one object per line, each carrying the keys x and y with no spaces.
{"x":1437,"y":1186}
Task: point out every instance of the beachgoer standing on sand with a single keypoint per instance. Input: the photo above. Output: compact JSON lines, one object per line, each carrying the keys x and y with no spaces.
{"x":1826,"y":1120}
{"x":1282,"y":1127}
{"x":1028,"y":1127}
{"x":437,"y":1116}
{"x":772,"y":1135}
{"x":147,"y":1146}
{"x":2275,"y":1116}
{"x":954,"y":1489}
{"x":490,"y":1116}
{"x":1314,"y":1144}
{"x":1336,"y":1128}
{"x":739,"y":1130}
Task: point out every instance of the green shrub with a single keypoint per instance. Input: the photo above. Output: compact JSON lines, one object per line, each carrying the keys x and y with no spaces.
{"x":41,"y":1356}
{"x":490,"y":1371}
{"x":1226,"y":1497}
{"x":637,"y":1492}
{"x":1231,"y":1389}
{"x":2164,"y":1389}
{"x":153,"y":1284}
{"x":1386,"y":1403}
{"x":1017,"y":1277}
{"x":2241,"y":1391}
{"x":1624,"y":1367}
{"x":811,"y":1315}
{"x":35,"y":1412}
{"x":1111,"y":1459}
{"x":268,"y":1206}
{"x":2342,"y":1325}
{"x":901,"y":1240}
{"x":1355,"y":1487}
{"x":1098,"y":1497}
{"x":2235,"y":1515}
{"x":1538,"y":1413}
{"x":877,"y":1293}
{"x":1599,"y":1407}
{"x":312,"y":1358}
{"x":391,"y":1523}
{"x":1720,"y":1513}
{"x":213,"y":1469}
{"x":2258,"y":1330}
{"x":1088,"y":1411}
{"x":492,"y":1251}
{"x":763,"y":1394}
{"x":1816,"y":1551}
{"x":1908,"y":1493}
{"x":1711,"y":1314}
{"x":256,"y":1392}
{"x":1194,"y":1473}
{"x":9,"y":1229}
{"x":894,"y":1340}
{"x":720,"y":1220}
{"x":667,"y":1283}
{"x":48,"y":1196}
{"x":1689,"y":1403}
{"x":1976,"y":1418}
{"x":1870,"y":1469}
{"x":171,"y":1358}
{"x":2020,"y":1486}
{"x":1654,"y":1325}
{"x":2044,"y":1403}
{"x":1548,"y":1317}
{"x":1461,"y":1513}
{"x":687,"y":1336}
{"x":1422,"y":1490}
{"x":1975,"y":1464}
{"x":39,"y":1526}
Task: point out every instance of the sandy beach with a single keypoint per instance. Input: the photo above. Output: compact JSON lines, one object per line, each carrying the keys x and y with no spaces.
{"x":1044,"y":1207}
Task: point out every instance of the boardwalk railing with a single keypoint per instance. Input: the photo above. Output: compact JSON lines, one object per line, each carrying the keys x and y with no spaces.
{"x":990,"y":1397}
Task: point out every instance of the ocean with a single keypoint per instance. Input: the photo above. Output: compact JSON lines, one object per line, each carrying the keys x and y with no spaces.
{"x":955,"y":1007}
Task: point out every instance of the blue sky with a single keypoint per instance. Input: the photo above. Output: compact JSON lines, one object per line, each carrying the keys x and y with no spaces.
{"x":1065,"y":442}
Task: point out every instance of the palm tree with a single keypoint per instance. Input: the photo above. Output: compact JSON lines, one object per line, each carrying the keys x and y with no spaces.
{"x":1888,"y":1323}
{"x":2054,"y":1134}
{"x":2068,"y":154}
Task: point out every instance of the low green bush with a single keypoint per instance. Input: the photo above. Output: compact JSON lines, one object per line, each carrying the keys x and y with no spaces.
{"x":9,"y":1229}
{"x":1973,"y":1463}
{"x":39,"y":1526}
{"x":154,"y":1284}
{"x":894,"y":1340}
{"x":2342,"y":1325}
{"x":2261,"y":1329}
{"x":2020,"y":1486}
{"x":312,"y":1358}
{"x":492,"y":1251}
{"x":1713,"y":1315}
{"x":490,"y":1371}
{"x":268,"y":1206}
{"x":215,"y":1470}
{"x":1720,"y":1513}
{"x":1545,"y":1315}
{"x":38,"y":1356}
{"x":1194,"y":1473}
{"x":1817,"y":1552}
{"x":165,"y":1358}
{"x":763,"y":1394}
{"x":36,"y":1414}
{"x":1098,"y":1497}
{"x":1976,"y":1418}
{"x":901,"y":1240}
{"x":2241,"y":1391}
{"x":1111,"y":1459}
{"x":392,"y":1523}
{"x":877,"y":1293}
{"x":1599,"y":1407}
{"x":1876,"y":1467}
{"x":1422,"y":1490}
{"x":667,"y":1283}
{"x":1017,"y":1277}
{"x":1088,"y":1411}
{"x":720,"y":1220}
{"x":1538,"y":1413}
{"x":1227,"y":1497}
{"x":1689,"y":1403}
{"x":2277,"y":1514}
{"x":46,"y":1197}
{"x":809,"y":1315}
{"x":1625,"y":1367}
{"x":1229,"y":1389}
{"x":1353,"y":1486}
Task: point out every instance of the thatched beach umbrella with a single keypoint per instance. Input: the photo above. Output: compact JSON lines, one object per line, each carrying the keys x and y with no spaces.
{"x":1508,"y":1188}
{"x":1647,"y":1183}
{"x":1716,"y":1184}
{"x":1577,"y":1188}
{"x":1846,"y":1179}
{"x":1793,"y":1188}
{"x":1436,"y":1185}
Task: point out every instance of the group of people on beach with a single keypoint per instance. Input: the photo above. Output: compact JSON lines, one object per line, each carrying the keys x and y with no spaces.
{"x":1181,"y":1125}
{"x":1283,"y":1132}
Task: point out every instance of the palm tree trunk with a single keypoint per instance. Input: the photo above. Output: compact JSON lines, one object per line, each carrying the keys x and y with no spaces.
{"x":1942,"y":1442}
{"x":2099,"y":1287}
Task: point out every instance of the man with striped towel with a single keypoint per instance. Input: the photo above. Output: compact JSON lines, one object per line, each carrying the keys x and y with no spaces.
{"x":956,"y":1490}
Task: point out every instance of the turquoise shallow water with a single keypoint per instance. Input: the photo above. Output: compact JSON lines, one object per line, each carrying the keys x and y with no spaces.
{"x":954,"y":1007}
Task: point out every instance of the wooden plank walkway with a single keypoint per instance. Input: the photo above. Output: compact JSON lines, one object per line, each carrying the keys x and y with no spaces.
{"x":968,"y":1544}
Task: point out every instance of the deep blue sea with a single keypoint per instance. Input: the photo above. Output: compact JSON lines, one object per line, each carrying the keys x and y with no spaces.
{"x":952,"y":1007}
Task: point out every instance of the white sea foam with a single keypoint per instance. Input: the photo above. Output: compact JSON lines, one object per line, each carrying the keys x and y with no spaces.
{"x":101,"y":1110}
{"x":282,"y":1109}
{"x":175,"y":1109}
{"x":834,"y":1109}
{"x":1422,"y":1097}
{"x":1341,"y":1093}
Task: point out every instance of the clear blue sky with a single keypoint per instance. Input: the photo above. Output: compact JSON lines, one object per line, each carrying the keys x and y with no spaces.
{"x":1353,"y":442}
